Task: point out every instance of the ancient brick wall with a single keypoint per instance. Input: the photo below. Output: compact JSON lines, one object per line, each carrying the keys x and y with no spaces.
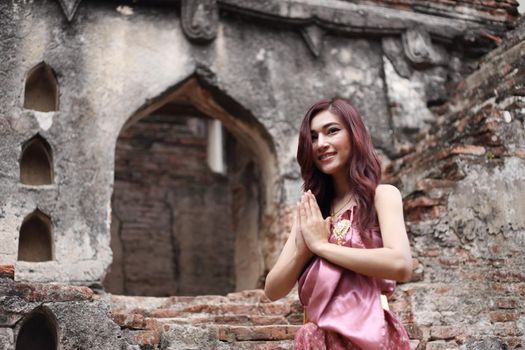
{"x":463,"y":186}
{"x":171,"y":213}
{"x":178,"y":228}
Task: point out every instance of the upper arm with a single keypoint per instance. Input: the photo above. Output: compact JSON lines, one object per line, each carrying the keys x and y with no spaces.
{"x":389,"y":207}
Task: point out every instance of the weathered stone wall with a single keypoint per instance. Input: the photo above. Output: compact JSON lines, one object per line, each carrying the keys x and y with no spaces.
{"x":115,"y":65}
{"x":457,"y":161}
{"x":463,"y":186}
{"x":111,"y":67}
{"x":493,"y":11}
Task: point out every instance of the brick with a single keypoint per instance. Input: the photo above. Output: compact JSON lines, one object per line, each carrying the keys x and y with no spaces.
{"x":263,"y":345}
{"x":507,"y":276}
{"x":232,"y":319}
{"x":132,"y":321}
{"x":450,"y":261}
{"x":145,"y":337}
{"x":45,"y":292}
{"x":506,"y":329}
{"x":445,"y":332}
{"x":7,"y":271}
{"x":441,"y":345}
{"x":461,"y":149}
{"x":268,"y":320}
{"x":504,"y":315}
{"x":164,"y":313}
{"x":421,"y":202}
{"x":506,"y":303}
{"x":232,"y":333}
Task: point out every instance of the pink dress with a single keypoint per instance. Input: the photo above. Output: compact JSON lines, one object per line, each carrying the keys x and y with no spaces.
{"x":343,"y":308}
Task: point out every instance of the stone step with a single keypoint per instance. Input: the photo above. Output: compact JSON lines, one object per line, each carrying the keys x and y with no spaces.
{"x":244,"y":320}
{"x":216,"y":336}
{"x":231,"y":333}
{"x":138,"y":321}
{"x":252,"y":303}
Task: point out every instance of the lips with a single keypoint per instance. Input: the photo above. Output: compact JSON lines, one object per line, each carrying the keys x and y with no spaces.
{"x":326,"y":156}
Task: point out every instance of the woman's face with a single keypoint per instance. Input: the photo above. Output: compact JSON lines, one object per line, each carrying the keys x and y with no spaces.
{"x":330,"y":143}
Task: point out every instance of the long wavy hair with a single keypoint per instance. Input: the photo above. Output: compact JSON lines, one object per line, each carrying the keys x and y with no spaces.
{"x":364,"y":168}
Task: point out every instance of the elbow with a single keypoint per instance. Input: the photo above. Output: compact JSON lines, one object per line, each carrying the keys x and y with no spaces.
{"x":271,"y":294}
{"x":404,"y":270}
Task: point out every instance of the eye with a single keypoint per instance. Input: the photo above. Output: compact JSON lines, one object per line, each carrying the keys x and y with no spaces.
{"x":314,"y":137}
{"x":333,"y":130}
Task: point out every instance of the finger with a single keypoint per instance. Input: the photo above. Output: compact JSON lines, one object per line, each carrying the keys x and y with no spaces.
{"x":307,"y":200}
{"x":311,"y":205}
{"x":304,"y":198}
{"x":314,"y":207}
{"x":302,"y":212}
{"x":295,"y":223}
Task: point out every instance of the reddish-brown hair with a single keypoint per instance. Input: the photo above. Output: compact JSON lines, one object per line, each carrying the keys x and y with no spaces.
{"x":364,"y":171}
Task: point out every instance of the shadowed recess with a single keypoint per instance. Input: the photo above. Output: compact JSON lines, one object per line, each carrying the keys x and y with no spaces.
{"x":37,"y":333}
{"x":35,"y":238}
{"x":36,"y":163}
{"x":41,"y":90}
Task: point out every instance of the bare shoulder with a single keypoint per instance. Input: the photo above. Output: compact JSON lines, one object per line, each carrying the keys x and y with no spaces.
{"x":387,"y":193}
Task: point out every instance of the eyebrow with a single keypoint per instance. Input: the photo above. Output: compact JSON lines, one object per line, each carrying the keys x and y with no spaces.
{"x":327,"y":126}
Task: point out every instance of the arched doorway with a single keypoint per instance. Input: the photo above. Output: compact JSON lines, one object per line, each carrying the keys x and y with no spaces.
{"x":38,"y":331}
{"x":190,"y":193}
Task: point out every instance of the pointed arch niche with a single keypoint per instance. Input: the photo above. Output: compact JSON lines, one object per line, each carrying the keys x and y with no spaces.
{"x":194,"y":182}
{"x":38,"y":331}
{"x":36,"y":162}
{"x":41,"y":89}
{"x":35,"y":242}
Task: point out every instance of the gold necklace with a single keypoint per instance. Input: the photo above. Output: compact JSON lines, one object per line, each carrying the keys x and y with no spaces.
{"x":334,"y":214}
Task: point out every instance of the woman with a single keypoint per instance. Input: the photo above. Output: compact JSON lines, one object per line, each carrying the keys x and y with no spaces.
{"x":348,"y":241}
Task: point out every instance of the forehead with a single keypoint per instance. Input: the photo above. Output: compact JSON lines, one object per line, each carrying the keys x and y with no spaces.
{"x":324,"y":119}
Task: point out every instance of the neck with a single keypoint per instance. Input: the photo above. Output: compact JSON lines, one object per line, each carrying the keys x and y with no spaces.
{"x":341,"y":186}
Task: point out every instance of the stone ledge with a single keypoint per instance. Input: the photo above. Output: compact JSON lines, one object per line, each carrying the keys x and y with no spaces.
{"x":7,"y":271}
{"x":44,"y":292}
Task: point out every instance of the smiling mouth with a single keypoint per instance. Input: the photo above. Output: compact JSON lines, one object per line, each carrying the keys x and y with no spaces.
{"x":326,"y":156}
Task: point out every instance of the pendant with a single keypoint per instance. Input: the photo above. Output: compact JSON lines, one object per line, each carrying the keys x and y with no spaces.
{"x":340,"y":230}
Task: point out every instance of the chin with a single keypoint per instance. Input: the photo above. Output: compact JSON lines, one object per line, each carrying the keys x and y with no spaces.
{"x":329,"y":170}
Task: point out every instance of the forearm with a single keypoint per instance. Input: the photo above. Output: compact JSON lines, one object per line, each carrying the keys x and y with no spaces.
{"x":283,"y":276}
{"x":378,"y":262}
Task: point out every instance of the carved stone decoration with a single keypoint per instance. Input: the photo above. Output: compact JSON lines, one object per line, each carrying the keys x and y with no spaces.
{"x":69,"y":7}
{"x":200,"y":19}
{"x":417,"y":45}
{"x":393,"y":50}
{"x":313,"y":35}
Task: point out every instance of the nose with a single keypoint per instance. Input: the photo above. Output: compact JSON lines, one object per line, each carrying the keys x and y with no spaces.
{"x":322,"y":141}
